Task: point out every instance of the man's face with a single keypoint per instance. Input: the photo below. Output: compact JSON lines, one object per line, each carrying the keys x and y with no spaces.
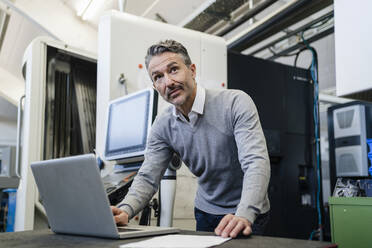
{"x":174,"y":80}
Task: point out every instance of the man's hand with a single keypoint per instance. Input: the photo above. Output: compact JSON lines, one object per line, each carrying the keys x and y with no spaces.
{"x":231,"y":226}
{"x":120,"y":216}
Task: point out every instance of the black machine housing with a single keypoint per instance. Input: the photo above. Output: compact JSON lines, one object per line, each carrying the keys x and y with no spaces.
{"x":284,"y":98}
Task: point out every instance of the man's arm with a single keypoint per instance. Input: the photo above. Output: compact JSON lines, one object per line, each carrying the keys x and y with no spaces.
{"x":254,"y":160}
{"x":146,"y":182}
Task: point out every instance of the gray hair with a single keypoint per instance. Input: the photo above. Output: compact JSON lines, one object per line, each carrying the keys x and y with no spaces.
{"x":167,"y":46}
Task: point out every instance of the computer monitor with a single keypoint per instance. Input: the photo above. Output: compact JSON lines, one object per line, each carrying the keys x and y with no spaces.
{"x":128,"y":125}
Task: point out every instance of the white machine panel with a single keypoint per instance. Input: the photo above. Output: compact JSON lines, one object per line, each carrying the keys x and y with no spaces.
{"x":123,"y":40}
{"x":35,"y":63}
{"x":353,"y":41}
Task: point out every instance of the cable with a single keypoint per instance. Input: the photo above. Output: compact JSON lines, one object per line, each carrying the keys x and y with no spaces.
{"x":298,"y":54}
{"x":315,"y":25}
{"x":319,"y":24}
{"x":314,"y":76}
{"x":311,"y":235}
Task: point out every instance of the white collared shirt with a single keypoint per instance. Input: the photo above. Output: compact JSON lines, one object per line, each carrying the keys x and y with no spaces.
{"x":197,"y":107}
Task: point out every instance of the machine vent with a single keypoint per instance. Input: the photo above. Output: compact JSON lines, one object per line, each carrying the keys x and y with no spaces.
{"x":346,"y":164}
{"x":345,"y":118}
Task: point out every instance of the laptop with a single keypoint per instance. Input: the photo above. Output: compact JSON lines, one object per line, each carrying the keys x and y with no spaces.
{"x":76,"y":203}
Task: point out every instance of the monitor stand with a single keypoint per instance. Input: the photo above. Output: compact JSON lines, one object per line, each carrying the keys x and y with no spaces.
{"x":127,"y":167}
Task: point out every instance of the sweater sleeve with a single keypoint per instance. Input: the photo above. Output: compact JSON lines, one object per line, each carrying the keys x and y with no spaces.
{"x":253,"y":157}
{"x":146,"y":183}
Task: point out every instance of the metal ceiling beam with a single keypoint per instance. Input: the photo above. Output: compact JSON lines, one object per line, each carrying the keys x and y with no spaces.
{"x":301,"y":45}
{"x":144,"y":14}
{"x":276,"y":23}
{"x":294,"y":32}
{"x":251,"y":13}
{"x":197,"y":12}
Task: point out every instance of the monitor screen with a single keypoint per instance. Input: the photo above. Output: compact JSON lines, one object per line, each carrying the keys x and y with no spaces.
{"x":128,"y":124}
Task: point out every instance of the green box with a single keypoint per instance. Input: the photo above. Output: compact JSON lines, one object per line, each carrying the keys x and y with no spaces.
{"x":351,"y":221}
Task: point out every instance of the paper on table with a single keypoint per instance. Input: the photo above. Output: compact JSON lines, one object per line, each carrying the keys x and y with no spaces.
{"x":178,"y":241}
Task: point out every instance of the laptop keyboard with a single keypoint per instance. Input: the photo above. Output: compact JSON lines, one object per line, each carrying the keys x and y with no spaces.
{"x":124,"y":229}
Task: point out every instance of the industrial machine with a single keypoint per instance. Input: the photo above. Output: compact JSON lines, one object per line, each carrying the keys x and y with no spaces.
{"x":121,"y":55}
{"x":58,"y":117}
{"x":349,"y":127}
{"x":284,"y":99}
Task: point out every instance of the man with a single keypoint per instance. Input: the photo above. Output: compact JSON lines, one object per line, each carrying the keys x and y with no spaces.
{"x":217,"y":134}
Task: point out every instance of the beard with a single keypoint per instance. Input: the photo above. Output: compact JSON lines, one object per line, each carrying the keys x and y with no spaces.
{"x":179,"y":94}
{"x":170,"y":91}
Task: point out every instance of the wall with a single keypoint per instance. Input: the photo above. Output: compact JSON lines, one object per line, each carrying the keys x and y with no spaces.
{"x":353,"y":46}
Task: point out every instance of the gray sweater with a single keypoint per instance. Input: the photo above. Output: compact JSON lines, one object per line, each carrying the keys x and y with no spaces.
{"x":226,"y":150}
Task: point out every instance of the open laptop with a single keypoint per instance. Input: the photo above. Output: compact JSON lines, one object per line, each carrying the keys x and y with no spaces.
{"x":75,"y":201}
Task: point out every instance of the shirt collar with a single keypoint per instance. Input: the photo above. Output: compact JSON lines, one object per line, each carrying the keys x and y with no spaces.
{"x":198,"y":105}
